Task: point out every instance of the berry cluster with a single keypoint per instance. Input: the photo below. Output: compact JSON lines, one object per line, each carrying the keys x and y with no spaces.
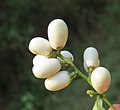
{"x":57,"y":67}
{"x":46,"y":63}
{"x":100,"y":77}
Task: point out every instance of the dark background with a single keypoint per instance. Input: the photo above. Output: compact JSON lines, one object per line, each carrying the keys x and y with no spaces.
{"x":90,"y":22}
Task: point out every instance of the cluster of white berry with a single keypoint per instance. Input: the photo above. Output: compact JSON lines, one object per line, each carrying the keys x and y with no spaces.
{"x":45,"y":63}
{"x":57,"y":66}
{"x":47,"y":66}
{"x":100,"y":76}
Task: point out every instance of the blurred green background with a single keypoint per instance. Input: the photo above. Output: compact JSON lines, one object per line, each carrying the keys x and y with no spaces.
{"x":91,"y":23}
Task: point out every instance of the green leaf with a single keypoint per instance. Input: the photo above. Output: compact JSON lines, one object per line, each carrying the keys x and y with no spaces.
{"x":98,"y":104}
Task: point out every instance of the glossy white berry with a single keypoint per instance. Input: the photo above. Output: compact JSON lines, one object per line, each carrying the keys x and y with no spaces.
{"x":97,"y":64}
{"x":85,"y":67}
{"x":57,"y":34}
{"x":46,"y":68}
{"x":90,"y":57}
{"x":101,"y":79}
{"x":58,"y":81}
{"x":67,"y":54}
{"x":40,"y":46}
{"x":39,"y":58}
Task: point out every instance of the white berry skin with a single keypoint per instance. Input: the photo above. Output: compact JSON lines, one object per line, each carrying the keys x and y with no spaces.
{"x":46,"y":68}
{"x":39,"y":58}
{"x":85,"y":67}
{"x":67,"y":54}
{"x":58,"y":81}
{"x":40,"y":46}
{"x":90,"y":57}
{"x":101,"y":79}
{"x":97,"y":64}
{"x":57,"y":34}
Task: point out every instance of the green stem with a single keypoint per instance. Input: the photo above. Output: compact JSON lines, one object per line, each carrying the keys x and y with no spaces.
{"x":79,"y":73}
{"x":108,"y":102}
{"x":90,"y":69}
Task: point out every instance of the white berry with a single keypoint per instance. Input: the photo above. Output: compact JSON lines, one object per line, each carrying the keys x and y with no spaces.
{"x":101,"y":79}
{"x":58,"y":81}
{"x":67,"y":54}
{"x":57,"y":34}
{"x":40,"y":46}
{"x":46,"y":68}
{"x":39,"y":58}
{"x":90,"y":57}
{"x":97,"y":64}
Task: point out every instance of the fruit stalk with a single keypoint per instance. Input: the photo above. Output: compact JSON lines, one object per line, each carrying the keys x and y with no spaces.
{"x":80,"y":74}
{"x":108,"y":102}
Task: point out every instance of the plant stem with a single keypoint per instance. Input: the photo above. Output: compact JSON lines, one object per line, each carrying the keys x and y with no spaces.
{"x":90,"y":69}
{"x":80,"y":74}
{"x":108,"y":102}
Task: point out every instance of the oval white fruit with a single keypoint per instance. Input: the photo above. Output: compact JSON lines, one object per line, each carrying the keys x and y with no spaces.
{"x":46,"y":68}
{"x":39,"y":58}
{"x":40,"y":46}
{"x":67,"y":54}
{"x":101,"y":79}
{"x":90,"y":57}
{"x":57,"y":34}
{"x":58,"y":81}
{"x":97,"y":64}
